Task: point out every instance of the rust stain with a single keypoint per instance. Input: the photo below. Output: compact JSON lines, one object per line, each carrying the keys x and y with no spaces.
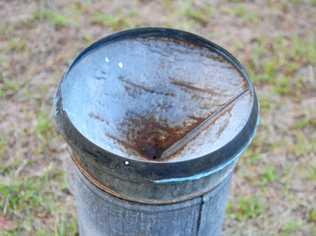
{"x":196,"y":130}
{"x":226,"y":121}
{"x":189,"y":86}
{"x":149,"y":137}
{"x":198,"y":119}
{"x":124,"y":143}
{"x":156,"y":139}
{"x":142,"y":87}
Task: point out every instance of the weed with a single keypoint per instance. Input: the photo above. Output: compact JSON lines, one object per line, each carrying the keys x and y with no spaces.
{"x":44,"y":125}
{"x":65,"y":226}
{"x":312,"y":173}
{"x":6,"y":31}
{"x":312,"y":215}
{"x":282,"y":85}
{"x":56,"y":19}
{"x":3,"y":146}
{"x":201,"y":15}
{"x":247,"y":208}
{"x":291,"y":227}
{"x":265,"y":104}
{"x":302,"y":145}
{"x":21,"y":196}
{"x":269,"y":175}
{"x":305,"y":122}
{"x":8,"y":87}
{"x":303,"y":49}
{"x":115,"y":22}
{"x":17,"y":45}
{"x":240,"y":11}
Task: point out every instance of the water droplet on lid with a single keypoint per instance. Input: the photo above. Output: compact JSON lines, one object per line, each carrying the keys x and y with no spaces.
{"x":126,"y":163}
{"x":120,"y":64}
{"x":107,"y":59}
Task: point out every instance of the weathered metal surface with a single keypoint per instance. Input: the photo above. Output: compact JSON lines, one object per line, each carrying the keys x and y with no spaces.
{"x":149,"y":192}
{"x":198,"y":129}
{"x":101,"y":214}
{"x":137,"y":96}
{"x":132,"y":95}
{"x":156,"y":119}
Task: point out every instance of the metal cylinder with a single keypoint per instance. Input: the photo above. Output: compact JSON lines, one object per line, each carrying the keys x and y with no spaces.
{"x":156,"y":120}
{"x":101,"y":213}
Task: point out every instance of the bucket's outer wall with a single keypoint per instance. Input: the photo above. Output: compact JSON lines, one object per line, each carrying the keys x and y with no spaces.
{"x":101,"y":214}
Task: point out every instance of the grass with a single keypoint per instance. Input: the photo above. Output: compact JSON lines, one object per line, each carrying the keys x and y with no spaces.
{"x":265,"y":104}
{"x":3,"y":146}
{"x":21,"y":196}
{"x":17,"y":45}
{"x":302,"y":145}
{"x":201,"y":15}
{"x":269,"y":175}
{"x":44,"y":125}
{"x":305,"y":123}
{"x":33,"y":199}
{"x":246,"y":209}
{"x":8,"y":86}
{"x":311,"y":173}
{"x":53,"y":17}
{"x":291,"y":227}
{"x":241,"y":12}
{"x":112,"y":21}
{"x":281,"y":62}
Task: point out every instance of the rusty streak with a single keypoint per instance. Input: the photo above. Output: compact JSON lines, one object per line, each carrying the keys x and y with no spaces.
{"x":195,"y":131}
{"x":189,"y":86}
{"x":149,"y":90}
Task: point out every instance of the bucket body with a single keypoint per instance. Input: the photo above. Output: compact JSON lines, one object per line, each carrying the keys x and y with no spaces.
{"x":102,"y":214}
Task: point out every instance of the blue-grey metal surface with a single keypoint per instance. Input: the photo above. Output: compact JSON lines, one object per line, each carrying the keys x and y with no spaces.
{"x":102,"y":214}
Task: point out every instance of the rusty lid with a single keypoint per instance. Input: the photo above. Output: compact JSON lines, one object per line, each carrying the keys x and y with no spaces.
{"x":167,"y":102}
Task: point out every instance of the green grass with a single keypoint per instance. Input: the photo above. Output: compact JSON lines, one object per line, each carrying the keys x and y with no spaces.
{"x":291,"y":227}
{"x":33,"y":198}
{"x":21,"y":196}
{"x":241,"y":12}
{"x":282,"y":85}
{"x":53,"y":17}
{"x":302,"y":144}
{"x":8,"y":86}
{"x":269,"y":175}
{"x":108,"y":20}
{"x":44,"y":125}
{"x":3,"y":146}
{"x":311,"y":171}
{"x":201,"y":15}
{"x":305,"y":123}
{"x":17,"y":45}
{"x":265,"y":103}
{"x":247,"y":208}
{"x":312,"y":215}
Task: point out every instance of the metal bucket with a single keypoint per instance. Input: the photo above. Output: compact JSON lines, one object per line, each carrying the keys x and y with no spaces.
{"x":156,"y":119}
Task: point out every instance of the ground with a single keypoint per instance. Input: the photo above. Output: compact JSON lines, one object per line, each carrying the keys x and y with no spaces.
{"x":274,"y":185}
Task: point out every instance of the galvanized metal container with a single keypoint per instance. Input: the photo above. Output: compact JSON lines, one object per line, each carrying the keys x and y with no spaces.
{"x":156,"y":119}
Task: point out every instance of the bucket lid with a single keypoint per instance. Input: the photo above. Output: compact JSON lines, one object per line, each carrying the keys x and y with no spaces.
{"x":162,"y":103}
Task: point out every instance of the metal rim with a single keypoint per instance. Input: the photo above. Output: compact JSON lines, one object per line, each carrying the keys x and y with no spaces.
{"x":155,"y":170}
